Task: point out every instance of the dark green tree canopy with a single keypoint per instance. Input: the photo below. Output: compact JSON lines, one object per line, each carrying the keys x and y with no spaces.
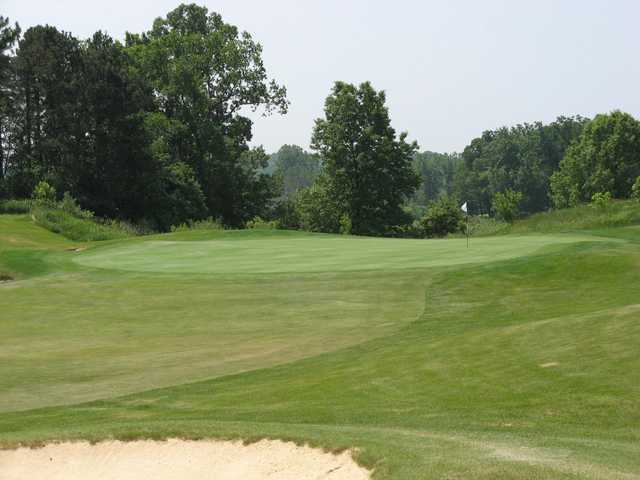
{"x":606,"y":159}
{"x":368,"y":167}
{"x":295,"y":167}
{"x":521,"y":158}
{"x":204,"y":72}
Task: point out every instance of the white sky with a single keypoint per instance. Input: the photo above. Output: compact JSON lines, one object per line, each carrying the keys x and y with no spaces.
{"x":451,"y":69}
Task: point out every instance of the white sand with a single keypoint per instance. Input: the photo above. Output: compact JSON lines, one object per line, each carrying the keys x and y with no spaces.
{"x":177,"y":460}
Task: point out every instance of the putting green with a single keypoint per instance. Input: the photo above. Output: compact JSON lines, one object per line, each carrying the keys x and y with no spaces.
{"x":311,"y":254}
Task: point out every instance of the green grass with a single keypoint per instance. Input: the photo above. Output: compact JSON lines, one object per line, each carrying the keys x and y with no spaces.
{"x":516,"y":358}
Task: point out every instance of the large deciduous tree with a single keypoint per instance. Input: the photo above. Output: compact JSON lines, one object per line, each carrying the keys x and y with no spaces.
{"x":205,"y":73}
{"x":606,"y":159}
{"x":367,"y":166}
{"x":8,"y":36}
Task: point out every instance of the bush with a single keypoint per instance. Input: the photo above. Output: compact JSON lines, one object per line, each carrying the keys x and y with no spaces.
{"x":506,"y":205}
{"x":206,"y":224}
{"x":635,"y":190}
{"x":70,"y":205}
{"x":345,"y":224}
{"x":44,"y":194}
{"x":601,"y":200}
{"x":442,"y":218}
{"x":258,"y":223}
{"x":316,"y":208}
{"x":15,"y":206}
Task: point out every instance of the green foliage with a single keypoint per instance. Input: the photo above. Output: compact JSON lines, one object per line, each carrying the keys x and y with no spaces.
{"x":368,"y":169}
{"x":179,"y":198}
{"x":635,"y":189}
{"x":601,"y":200}
{"x":16,"y":206}
{"x":205,"y":72}
{"x":604,"y":160}
{"x":442,"y":218}
{"x":70,"y":205}
{"x":506,"y":205}
{"x":295,"y":167}
{"x":44,"y":194}
{"x":521,"y":158}
{"x":316,"y":208}
{"x":257,"y":223}
{"x":437,"y":173}
{"x":204,"y":224}
{"x":345,"y":224}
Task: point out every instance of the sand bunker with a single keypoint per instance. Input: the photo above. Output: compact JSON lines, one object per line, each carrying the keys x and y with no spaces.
{"x":177,"y":460}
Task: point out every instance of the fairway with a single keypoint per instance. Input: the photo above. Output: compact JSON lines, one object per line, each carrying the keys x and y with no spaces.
{"x":515,"y":358}
{"x":312,"y":253}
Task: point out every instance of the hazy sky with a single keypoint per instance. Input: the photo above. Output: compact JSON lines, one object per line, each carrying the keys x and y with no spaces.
{"x":451,"y":69}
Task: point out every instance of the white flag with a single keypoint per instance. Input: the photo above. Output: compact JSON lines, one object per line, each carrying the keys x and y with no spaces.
{"x":464,"y":207}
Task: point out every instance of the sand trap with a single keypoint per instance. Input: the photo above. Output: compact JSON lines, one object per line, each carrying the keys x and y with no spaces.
{"x":177,"y":460}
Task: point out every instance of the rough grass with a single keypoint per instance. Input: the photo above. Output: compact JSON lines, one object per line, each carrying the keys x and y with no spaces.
{"x":517,"y":367}
{"x":78,"y":229}
{"x":15,"y":206}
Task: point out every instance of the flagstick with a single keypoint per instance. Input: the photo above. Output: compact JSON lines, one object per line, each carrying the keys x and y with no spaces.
{"x":467,"y":230}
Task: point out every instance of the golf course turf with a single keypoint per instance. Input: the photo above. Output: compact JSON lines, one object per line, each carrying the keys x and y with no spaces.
{"x":516,"y":358}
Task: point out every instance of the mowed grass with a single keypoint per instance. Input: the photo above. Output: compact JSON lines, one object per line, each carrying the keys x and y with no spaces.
{"x":517,"y":358}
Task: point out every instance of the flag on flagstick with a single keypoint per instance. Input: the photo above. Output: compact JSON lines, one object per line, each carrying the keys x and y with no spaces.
{"x":464,"y":209}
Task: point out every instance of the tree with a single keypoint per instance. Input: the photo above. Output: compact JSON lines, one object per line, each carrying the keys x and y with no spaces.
{"x":506,"y":205}
{"x":295,"y":167}
{"x":204,"y":72}
{"x":437,"y":172}
{"x":368,"y":168}
{"x":606,"y":159}
{"x":179,"y":199}
{"x":8,"y":37}
{"x":113,"y":171}
{"x":520,"y":158}
{"x":47,"y":120}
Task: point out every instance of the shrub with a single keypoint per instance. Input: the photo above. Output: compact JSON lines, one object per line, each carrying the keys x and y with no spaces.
{"x":258,"y":223}
{"x":345,"y":224}
{"x":601,"y":200}
{"x":206,"y":224}
{"x":16,"y":206}
{"x":635,"y":190}
{"x":506,"y":205}
{"x":443,"y":217}
{"x":44,"y":194}
{"x":70,"y":205}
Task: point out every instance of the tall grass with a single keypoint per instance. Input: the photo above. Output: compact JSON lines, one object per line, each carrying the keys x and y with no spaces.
{"x":79,"y":229}
{"x":15,"y":206}
{"x":615,"y":213}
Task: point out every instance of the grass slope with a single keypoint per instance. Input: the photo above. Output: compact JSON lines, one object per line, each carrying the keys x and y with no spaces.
{"x":523,"y":365}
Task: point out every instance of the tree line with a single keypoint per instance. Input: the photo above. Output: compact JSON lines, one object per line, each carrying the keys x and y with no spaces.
{"x":155,"y":130}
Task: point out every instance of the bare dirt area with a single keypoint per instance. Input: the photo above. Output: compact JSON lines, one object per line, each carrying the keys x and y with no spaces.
{"x":177,"y":460}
